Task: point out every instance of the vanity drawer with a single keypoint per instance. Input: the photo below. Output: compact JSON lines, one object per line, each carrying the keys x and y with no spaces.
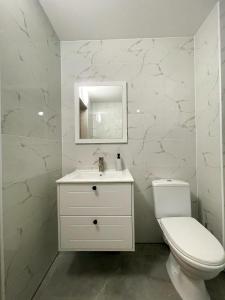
{"x":110,"y":233}
{"x":107,"y":199}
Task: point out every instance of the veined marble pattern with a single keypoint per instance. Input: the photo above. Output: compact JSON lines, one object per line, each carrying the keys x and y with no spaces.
{"x":161,"y":113}
{"x":222,"y":36}
{"x":208,"y":123}
{"x":31,"y":127}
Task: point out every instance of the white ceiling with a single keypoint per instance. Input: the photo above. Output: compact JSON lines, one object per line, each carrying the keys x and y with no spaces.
{"x":109,"y":19}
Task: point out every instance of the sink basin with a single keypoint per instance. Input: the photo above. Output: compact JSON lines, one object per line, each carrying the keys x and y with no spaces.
{"x":96,"y":176}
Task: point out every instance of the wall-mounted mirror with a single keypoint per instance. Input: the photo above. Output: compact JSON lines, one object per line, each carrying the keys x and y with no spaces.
{"x":101,"y":112}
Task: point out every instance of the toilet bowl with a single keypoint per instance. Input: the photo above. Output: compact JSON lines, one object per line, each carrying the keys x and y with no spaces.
{"x":196,"y":255}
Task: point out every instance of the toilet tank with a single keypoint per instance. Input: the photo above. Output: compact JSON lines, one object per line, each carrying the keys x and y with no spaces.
{"x":171,"y":198}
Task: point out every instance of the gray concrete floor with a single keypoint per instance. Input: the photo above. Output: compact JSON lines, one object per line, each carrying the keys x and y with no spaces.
{"x":116,"y":276}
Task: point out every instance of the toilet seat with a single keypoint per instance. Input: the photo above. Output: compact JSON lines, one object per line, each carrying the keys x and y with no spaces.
{"x":194,"y":243}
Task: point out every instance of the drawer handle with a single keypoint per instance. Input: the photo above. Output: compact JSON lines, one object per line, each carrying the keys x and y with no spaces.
{"x":95,"y":222}
{"x":94,"y":188}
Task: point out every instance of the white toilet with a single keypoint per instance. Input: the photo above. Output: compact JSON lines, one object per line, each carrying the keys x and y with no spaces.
{"x":196,"y":255}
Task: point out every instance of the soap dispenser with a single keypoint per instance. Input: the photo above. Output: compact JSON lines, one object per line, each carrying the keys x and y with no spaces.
{"x":118,"y":162}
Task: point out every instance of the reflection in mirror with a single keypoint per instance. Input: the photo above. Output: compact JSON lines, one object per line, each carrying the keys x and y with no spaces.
{"x":101,"y":115}
{"x":100,"y":112}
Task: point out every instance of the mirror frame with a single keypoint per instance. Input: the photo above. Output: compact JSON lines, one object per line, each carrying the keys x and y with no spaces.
{"x":122,"y":140}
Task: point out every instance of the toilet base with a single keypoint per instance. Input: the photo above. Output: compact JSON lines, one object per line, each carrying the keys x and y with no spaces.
{"x":188,"y":288}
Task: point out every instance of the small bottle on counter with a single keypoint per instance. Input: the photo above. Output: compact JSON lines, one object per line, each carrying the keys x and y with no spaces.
{"x":118,"y":162}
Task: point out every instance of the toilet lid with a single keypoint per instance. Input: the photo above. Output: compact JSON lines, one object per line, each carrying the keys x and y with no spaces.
{"x":193,"y":240}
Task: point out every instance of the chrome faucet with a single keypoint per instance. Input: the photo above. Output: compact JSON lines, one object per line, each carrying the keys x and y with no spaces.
{"x":101,"y":164}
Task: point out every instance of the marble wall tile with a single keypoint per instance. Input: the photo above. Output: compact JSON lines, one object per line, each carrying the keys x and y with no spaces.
{"x":222,"y":37}
{"x":31,"y":238}
{"x":161,"y":135}
{"x":31,"y":143}
{"x":208,"y":123}
{"x":29,"y":112}
{"x":27,"y":73}
{"x":27,"y":157}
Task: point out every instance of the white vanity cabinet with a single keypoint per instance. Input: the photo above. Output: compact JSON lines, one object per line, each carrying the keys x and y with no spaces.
{"x":96,"y":211}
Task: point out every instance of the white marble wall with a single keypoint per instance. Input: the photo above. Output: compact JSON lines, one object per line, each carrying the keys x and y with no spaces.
{"x":222,"y":35}
{"x":208,"y":123}
{"x":161,"y":143}
{"x":30,"y":58}
{"x":2,"y":292}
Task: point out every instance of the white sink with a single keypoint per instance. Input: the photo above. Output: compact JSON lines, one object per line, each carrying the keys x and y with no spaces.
{"x":96,"y":176}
